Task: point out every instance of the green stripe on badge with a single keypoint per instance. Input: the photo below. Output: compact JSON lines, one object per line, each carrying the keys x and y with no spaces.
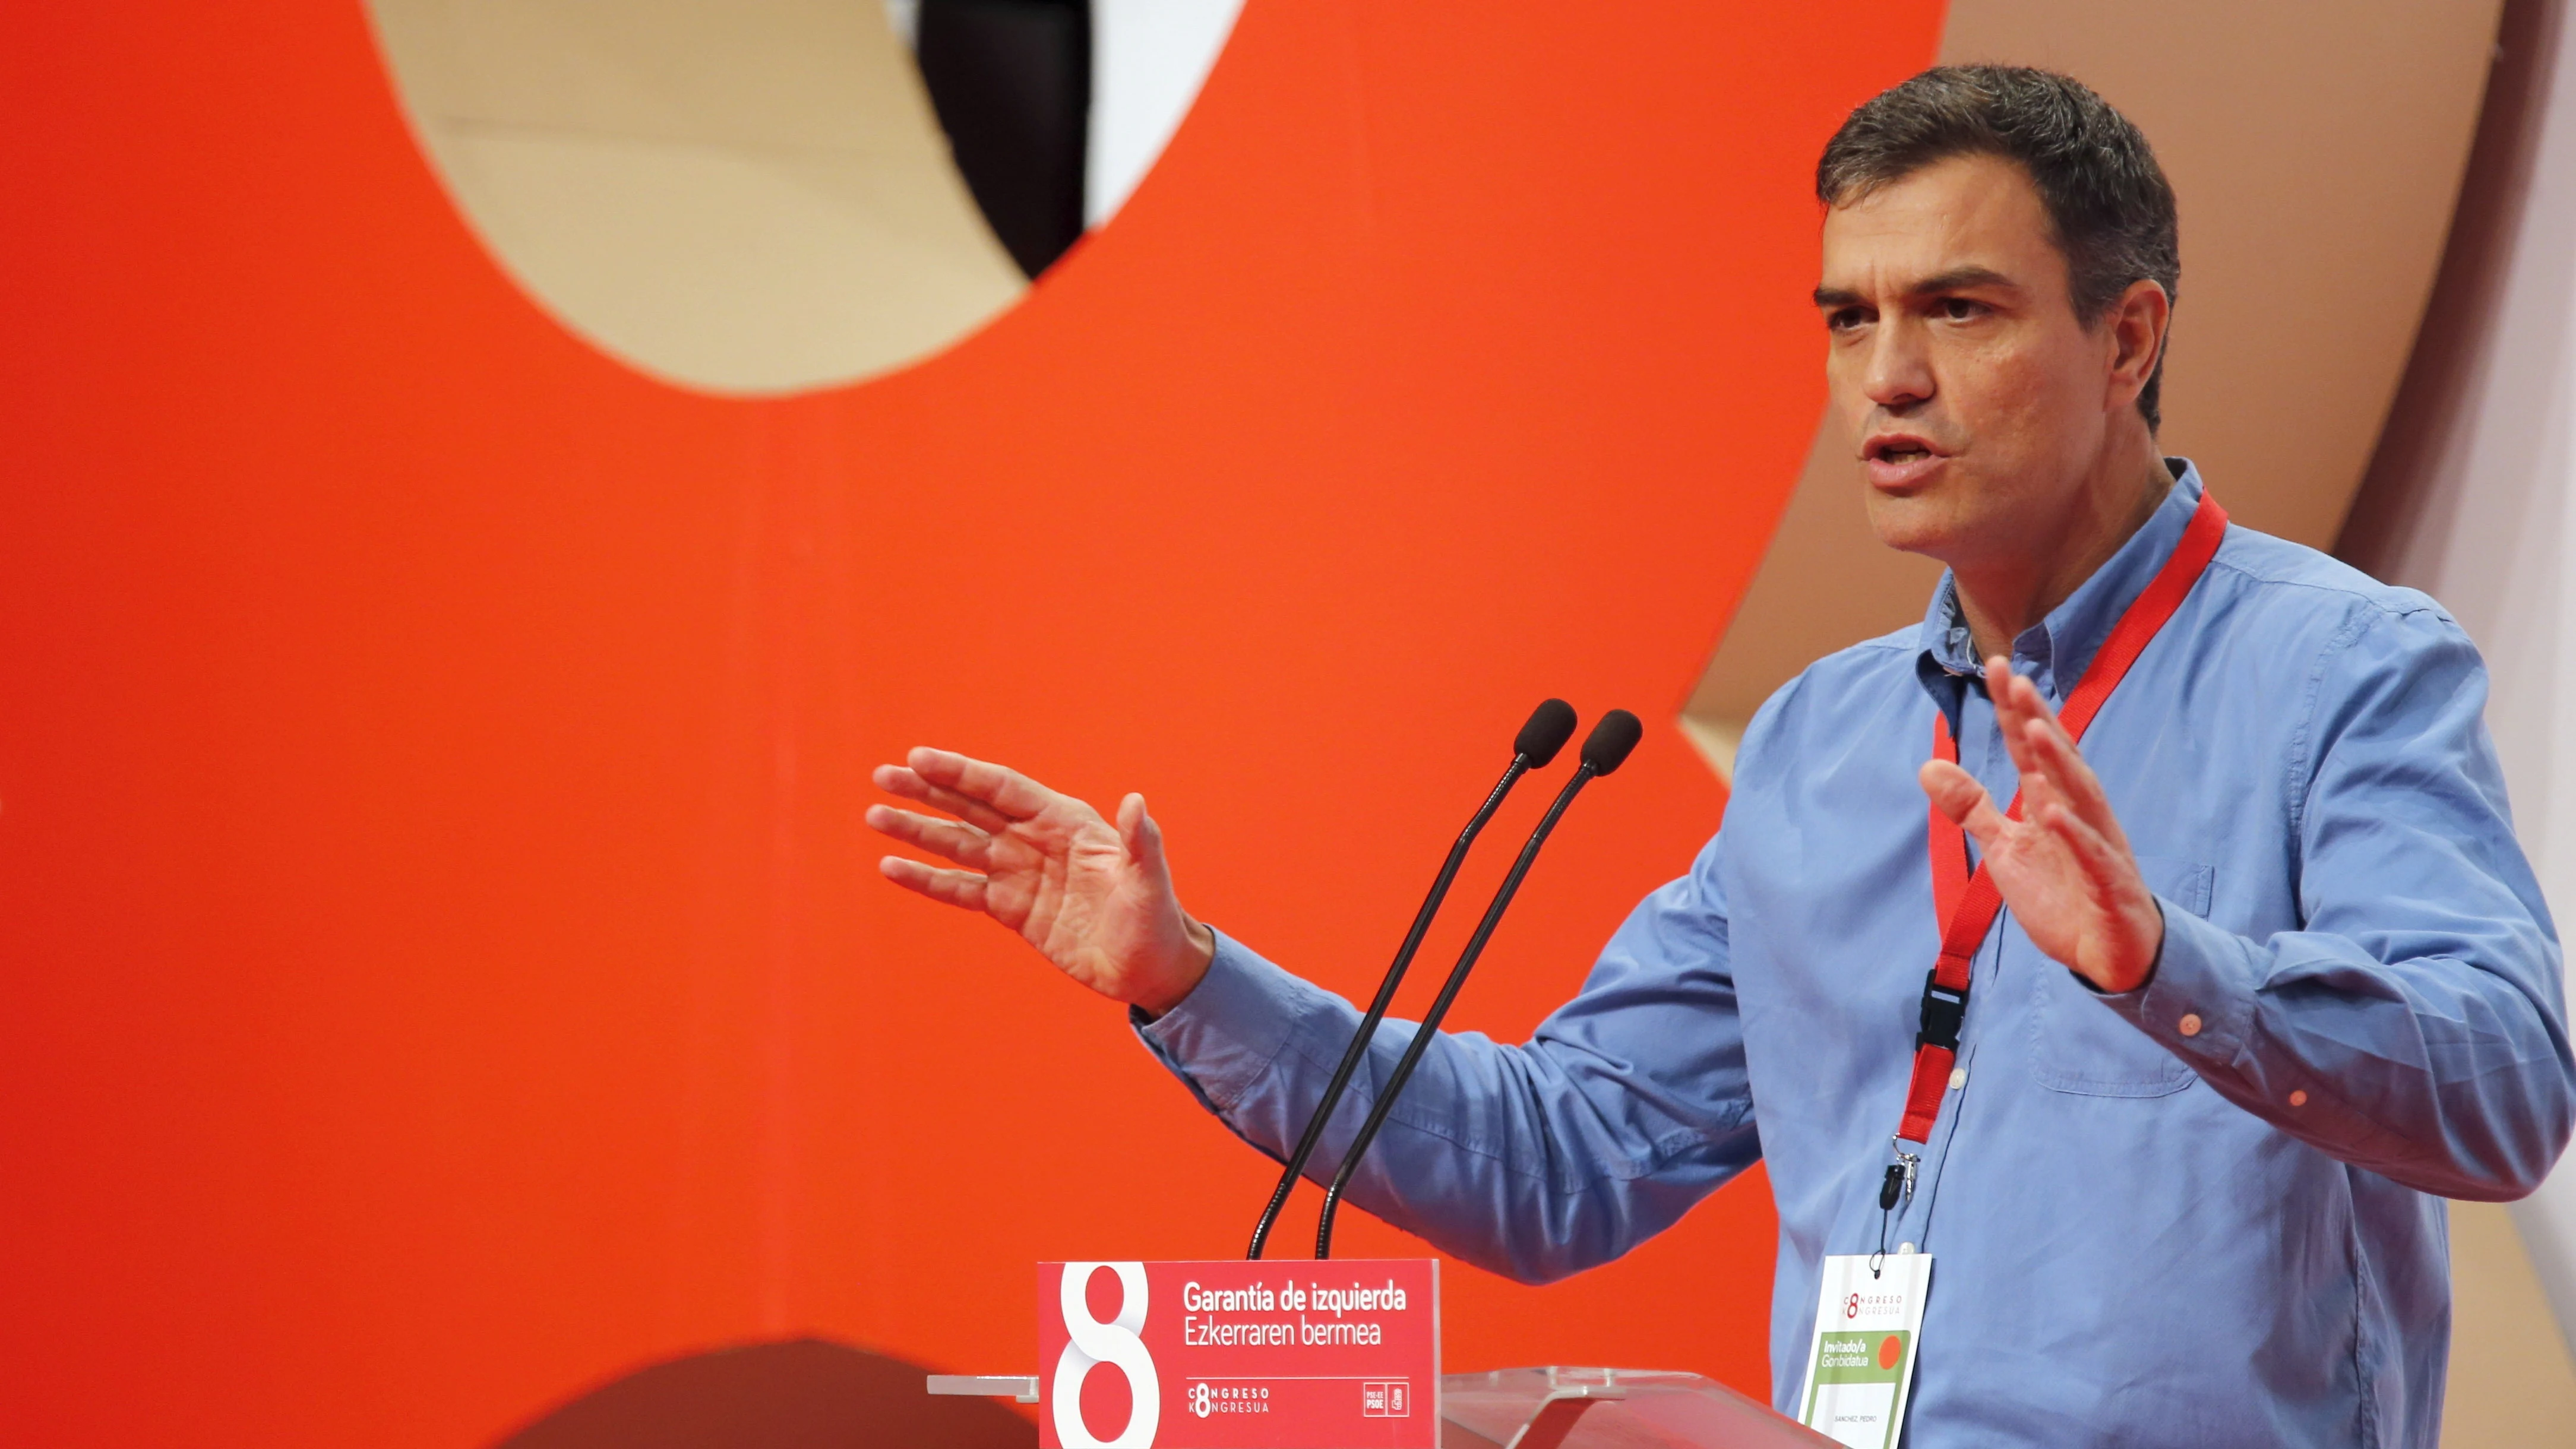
{"x":1862,"y":1358}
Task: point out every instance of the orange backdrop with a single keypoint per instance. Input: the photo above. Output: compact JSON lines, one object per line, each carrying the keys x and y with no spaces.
{"x":444,"y":967}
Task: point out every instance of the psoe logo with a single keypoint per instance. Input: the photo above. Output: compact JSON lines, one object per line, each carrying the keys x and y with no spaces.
{"x":1116,"y":1343}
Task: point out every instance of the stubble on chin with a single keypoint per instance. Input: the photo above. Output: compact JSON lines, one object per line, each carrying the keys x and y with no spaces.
{"x":1910,"y":524}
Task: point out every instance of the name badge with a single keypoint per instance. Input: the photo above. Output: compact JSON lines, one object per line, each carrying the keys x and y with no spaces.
{"x":1861,"y":1363}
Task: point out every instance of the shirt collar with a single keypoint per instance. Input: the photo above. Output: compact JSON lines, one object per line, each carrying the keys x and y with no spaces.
{"x":2054,"y":651}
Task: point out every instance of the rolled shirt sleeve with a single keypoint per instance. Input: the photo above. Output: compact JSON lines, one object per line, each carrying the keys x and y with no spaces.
{"x":2415,"y":1027}
{"x":1627,"y":1105}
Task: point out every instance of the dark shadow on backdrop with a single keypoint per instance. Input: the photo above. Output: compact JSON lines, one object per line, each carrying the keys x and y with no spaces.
{"x":804,"y":1394}
{"x":2394,"y":501}
{"x":1011,"y":81}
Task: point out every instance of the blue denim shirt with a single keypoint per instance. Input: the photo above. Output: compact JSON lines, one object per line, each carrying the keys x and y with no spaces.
{"x":2204,"y":1212}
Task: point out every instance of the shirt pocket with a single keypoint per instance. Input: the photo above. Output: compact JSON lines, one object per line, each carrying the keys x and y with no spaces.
{"x":2080,"y":1045}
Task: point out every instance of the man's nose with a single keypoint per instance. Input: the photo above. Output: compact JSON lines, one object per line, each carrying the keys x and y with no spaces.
{"x":1898,"y":371}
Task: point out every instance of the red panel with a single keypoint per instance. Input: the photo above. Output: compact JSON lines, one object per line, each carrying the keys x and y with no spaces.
{"x":443,"y":963}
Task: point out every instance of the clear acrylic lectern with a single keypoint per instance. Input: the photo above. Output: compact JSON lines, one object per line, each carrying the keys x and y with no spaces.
{"x":1597,"y":1408}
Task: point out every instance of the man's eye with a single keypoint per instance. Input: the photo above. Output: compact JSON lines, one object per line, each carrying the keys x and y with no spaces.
{"x":1845,"y":319}
{"x":1960,"y":309}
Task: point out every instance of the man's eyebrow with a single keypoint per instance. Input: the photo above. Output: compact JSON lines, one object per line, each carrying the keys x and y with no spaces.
{"x":1957,"y":279}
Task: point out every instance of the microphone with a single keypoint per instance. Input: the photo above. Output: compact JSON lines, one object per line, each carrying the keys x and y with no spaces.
{"x":1604,"y":750}
{"x":1550,"y":726}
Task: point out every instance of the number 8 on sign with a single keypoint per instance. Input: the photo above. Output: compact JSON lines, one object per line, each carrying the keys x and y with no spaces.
{"x":1114,"y":1343}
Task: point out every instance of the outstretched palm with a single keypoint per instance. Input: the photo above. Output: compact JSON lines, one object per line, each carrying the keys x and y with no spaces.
{"x":1094,"y":897}
{"x":2064,"y":868}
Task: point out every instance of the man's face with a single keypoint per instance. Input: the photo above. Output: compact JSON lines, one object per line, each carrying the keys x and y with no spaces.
{"x":1974,"y":400}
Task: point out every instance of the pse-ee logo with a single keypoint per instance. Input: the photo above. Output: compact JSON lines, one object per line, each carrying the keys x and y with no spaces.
{"x":1117,"y":1343}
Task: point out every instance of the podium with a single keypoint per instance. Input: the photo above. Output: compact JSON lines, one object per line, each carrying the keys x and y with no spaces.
{"x":1338,"y":1354}
{"x":1556,"y":1408}
{"x":1603,"y":1408}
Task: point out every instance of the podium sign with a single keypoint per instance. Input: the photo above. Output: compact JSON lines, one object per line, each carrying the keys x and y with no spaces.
{"x":1229,"y":1354}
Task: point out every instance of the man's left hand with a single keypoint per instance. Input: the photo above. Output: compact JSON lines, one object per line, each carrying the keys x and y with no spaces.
{"x":2064,"y":868}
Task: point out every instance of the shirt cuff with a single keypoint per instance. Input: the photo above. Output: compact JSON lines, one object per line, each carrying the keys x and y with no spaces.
{"x":1223,"y":1036}
{"x":2199,"y":1000}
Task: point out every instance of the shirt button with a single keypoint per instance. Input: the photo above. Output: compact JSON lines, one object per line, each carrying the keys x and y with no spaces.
{"x":1958,"y":1078}
{"x":2190,"y":1023}
{"x":2299,"y":1099}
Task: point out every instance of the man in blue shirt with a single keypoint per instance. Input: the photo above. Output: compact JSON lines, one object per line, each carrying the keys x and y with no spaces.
{"x":2271,"y":978}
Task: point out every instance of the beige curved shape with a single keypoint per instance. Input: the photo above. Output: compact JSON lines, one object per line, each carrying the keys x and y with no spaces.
{"x":2317,"y":148}
{"x":2512,"y":1380}
{"x":739,"y":196}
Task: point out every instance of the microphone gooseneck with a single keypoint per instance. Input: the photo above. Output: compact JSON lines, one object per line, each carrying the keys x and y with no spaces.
{"x":1549,"y":727}
{"x":1604,"y":750}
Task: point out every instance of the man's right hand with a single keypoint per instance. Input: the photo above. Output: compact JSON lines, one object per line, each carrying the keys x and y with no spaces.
{"x":1095,"y":898}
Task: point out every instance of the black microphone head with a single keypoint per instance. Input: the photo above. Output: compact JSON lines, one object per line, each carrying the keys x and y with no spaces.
{"x":1550,"y":726}
{"x":1607,"y":747}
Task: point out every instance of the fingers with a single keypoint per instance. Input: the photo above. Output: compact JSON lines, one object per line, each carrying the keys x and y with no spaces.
{"x":2051,"y":766}
{"x":960,"y":888}
{"x":908,"y":783}
{"x":963,"y":844}
{"x":1957,"y":795}
{"x":2017,"y":705}
{"x":2108,"y":869}
{"x":2037,"y":791}
{"x":2073,"y":781}
{"x":1013,"y":794}
{"x":1144,"y":838}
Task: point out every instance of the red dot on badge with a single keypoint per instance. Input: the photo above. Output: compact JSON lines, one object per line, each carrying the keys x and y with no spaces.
{"x":1889,"y":1351}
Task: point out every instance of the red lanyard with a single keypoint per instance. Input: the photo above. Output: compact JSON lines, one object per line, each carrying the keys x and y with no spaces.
{"x":1967,"y":903}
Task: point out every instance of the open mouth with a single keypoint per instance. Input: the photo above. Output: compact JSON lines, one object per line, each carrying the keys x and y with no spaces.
{"x":1900,"y":460}
{"x":1897,"y":448}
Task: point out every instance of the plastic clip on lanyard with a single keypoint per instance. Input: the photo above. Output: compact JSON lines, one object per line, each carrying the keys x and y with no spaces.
{"x":1968,"y":902}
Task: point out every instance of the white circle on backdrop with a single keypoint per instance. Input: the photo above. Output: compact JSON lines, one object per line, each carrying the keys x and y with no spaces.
{"x":750,"y":197}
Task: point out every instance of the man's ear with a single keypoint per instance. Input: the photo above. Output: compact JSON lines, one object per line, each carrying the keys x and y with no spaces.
{"x":2139,"y":320}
